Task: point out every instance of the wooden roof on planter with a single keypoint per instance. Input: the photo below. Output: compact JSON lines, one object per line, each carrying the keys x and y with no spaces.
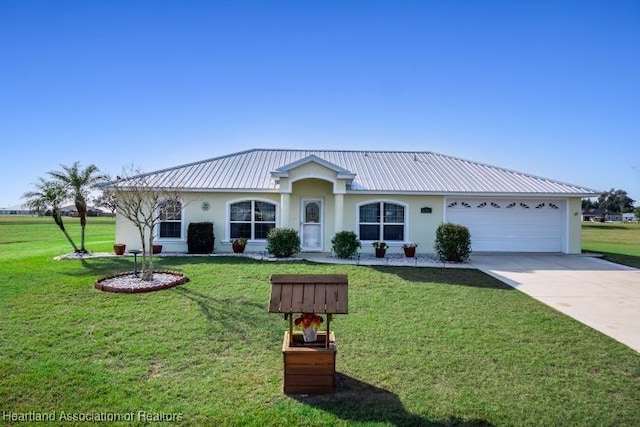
{"x":309,"y":293}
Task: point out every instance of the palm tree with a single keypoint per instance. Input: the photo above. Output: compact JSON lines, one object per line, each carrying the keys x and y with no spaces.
{"x":80,"y":183}
{"x":49,"y":194}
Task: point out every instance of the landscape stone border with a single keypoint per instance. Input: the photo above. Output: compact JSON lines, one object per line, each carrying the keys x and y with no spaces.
{"x":133,"y":284}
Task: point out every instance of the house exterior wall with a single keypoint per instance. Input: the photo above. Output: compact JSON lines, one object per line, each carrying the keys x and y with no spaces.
{"x":420,"y":227}
{"x":217,"y":213}
{"x":574,"y":225}
{"x":127,"y":233}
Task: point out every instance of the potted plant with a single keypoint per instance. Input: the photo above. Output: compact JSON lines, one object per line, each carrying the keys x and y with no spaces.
{"x":409,"y":249}
{"x":381,"y":249}
{"x":119,"y":248}
{"x":156,"y":249}
{"x":309,"y":323}
{"x":239,"y":244}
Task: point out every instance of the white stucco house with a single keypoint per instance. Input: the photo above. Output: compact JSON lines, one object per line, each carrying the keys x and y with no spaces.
{"x":393,"y":196}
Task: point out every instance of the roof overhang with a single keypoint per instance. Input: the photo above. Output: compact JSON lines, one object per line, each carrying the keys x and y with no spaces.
{"x":475,"y":194}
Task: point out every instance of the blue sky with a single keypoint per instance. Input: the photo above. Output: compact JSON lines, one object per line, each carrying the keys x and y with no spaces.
{"x":550,"y":88}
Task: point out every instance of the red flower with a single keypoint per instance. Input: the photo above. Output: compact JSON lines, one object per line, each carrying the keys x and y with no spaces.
{"x":308,"y":319}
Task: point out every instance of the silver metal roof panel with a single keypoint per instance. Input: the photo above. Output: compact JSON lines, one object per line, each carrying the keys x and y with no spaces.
{"x":374,"y":171}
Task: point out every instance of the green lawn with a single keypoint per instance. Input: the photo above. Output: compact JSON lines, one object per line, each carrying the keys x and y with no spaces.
{"x":618,"y":242}
{"x":418,"y":347}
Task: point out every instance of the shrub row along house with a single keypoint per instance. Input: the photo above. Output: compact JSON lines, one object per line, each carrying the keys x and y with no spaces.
{"x":390,"y":196}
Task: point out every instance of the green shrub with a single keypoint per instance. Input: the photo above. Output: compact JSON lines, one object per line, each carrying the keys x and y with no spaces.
{"x":345,"y":244}
{"x":200,"y":237}
{"x":283,"y":242}
{"x":453,"y":242}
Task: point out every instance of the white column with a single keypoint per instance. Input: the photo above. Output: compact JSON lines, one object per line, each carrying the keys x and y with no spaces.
{"x":339,"y":212}
{"x":285,"y":214}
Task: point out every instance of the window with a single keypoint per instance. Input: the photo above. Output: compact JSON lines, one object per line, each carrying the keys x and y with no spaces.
{"x":251,"y":219}
{"x":170,"y":224}
{"x":382,"y":221}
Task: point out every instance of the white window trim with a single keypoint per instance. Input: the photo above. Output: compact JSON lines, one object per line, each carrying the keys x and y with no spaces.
{"x":156,"y":228}
{"x":380,"y":233}
{"x":227,"y":220}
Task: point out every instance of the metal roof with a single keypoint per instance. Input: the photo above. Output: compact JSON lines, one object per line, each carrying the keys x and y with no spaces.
{"x":374,"y":171}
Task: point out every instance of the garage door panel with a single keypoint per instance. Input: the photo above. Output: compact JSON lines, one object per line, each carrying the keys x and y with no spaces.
{"x":514,"y":245}
{"x":514,"y":231}
{"x":505,"y":220}
{"x":524,"y":226}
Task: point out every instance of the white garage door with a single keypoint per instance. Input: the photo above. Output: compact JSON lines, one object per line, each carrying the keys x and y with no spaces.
{"x":510,"y":226}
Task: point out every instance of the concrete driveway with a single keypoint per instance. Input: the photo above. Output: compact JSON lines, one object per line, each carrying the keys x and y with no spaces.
{"x":600,"y":294}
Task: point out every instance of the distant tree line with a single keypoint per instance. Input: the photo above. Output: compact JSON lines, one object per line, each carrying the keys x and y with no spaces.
{"x":612,"y":200}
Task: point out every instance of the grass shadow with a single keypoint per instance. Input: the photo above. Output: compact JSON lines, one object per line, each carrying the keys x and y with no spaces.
{"x":624,"y":259}
{"x":356,"y":401}
{"x":446,"y":276}
{"x":233,"y":314}
{"x":101,"y":266}
{"x":200,"y":260}
{"x":601,"y":226}
{"x":113,"y":265}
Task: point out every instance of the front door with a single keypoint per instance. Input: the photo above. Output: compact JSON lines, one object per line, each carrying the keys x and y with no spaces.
{"x":312,"y":219}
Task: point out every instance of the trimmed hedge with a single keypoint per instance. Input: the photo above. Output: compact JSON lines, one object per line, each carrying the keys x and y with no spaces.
{"x":345,"y":244}
{"x":200,"y":238}
{"x":453,"y":242}
{"x":283,"y":242}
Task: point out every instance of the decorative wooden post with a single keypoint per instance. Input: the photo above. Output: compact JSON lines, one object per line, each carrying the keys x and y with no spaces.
{"x":309,"y":367}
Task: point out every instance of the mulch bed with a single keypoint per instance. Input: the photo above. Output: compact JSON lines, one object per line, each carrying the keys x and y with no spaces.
{"x":130,"y":283}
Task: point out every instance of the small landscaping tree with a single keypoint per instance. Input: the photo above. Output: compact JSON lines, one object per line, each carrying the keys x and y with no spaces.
{"x":345,"y":244}
{"x":106,"y":199}
{"x":453,"y":242}
{"x":283,"y":242}
{"x":139,"y":200}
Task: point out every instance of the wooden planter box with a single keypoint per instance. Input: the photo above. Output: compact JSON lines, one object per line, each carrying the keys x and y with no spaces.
{"x":309,"y":368}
